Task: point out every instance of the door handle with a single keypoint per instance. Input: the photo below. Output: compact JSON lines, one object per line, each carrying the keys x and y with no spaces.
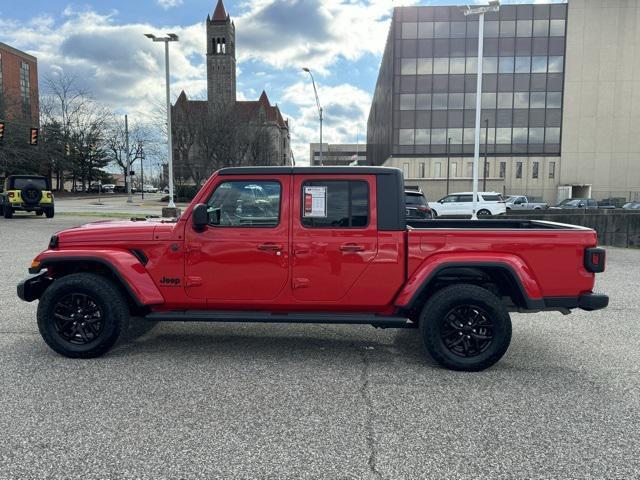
{"x":269,"y":247}
{"x":351,"y":247}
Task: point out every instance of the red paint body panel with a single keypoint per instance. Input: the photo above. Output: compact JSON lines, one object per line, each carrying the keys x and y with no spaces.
{"x":127,"y":266}
{"x":309,"y":269}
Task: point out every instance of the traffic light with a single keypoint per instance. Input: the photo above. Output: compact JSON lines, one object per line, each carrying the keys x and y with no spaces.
{"x":33,"y":139}
{"x":67,"y":149}
{"x":1,"y":131}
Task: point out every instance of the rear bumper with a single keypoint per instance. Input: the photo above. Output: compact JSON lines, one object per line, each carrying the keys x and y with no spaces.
{"x":32,"y":287}
{"x":587,"y":301}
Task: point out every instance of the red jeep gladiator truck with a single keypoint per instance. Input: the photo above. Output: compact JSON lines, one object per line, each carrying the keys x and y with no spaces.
{"x":312,"y":245}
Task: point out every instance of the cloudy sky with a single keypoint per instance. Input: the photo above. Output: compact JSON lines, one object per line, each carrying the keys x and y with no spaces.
{"x":102,"y":42}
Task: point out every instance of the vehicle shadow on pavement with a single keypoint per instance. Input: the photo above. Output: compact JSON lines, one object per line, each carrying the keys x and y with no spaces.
{"x":281,"y":340}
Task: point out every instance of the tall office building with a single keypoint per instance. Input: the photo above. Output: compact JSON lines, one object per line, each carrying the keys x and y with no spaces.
{"x":555,"y":119}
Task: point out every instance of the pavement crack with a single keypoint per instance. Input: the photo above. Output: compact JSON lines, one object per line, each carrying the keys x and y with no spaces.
{"x":364,"y":392}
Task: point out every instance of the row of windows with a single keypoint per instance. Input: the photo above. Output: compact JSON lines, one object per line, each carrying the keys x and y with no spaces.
{"x":519,"y":82}
{"x":439,"y":172}
{"x":458,"y":101}
{"x":503,"y":136}
{"x":492,"y":47}
{"x":492,"y":29}
{"x":461,"y":65}
{"x":345,"y":204}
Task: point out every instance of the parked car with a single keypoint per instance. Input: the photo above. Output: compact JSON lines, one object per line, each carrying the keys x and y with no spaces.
{"x":149,"y":189}
{"x":108,"y":188}
{"x":521,"y":202}
{"x":489,"y":203}
{"x":576,"y":203}
{"x":331,"y":247}
{"x":417,"y":207}
{"x":632,"y":206}
{"x":27,"y":193}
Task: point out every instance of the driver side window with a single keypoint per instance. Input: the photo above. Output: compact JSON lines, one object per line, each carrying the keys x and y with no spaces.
{"x":245,"y":204}
{"x":449,"y":199}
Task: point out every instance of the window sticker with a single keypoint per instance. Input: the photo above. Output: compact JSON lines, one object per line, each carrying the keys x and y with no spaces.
{"x":315,"y":202}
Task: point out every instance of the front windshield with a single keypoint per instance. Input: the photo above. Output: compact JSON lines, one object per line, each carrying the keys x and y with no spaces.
{"x":569,"y":202}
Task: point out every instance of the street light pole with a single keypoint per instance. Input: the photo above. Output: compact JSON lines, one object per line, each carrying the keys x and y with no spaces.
{"x":448,"y":162}
{"x":171,"y":37}
{"x":493,"y":6}
{"x":486,"y":146}
{"x":315,"y":91}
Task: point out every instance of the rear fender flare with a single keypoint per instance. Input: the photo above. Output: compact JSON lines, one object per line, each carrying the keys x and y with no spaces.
{"x":518,"y":270}
{"x":123,"y":265}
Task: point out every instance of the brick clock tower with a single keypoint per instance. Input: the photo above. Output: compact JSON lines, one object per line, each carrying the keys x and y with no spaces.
{"x":221,"y":57}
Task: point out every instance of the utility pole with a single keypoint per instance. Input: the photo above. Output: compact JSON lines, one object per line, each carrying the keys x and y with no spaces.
{"x":448,"y":162}
{"x":486,"y":145}
{"x":127,"y":175}
{"x":142,"y":168}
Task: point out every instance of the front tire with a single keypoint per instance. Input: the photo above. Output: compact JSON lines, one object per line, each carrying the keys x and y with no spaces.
{"x":82,"y":315}
{"x":465,"y":327}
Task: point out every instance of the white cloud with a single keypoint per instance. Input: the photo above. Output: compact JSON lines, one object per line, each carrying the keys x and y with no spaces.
{"x":345,"y":111}
{"x":167,"y":4}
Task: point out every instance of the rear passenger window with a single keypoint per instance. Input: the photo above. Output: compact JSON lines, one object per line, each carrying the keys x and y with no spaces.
{"x":464,"y":198}
{"x":335,"y":204}
{"x":496,"y":198}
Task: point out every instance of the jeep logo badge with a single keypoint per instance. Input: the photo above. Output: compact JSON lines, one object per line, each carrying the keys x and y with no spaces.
{"x":169,"y":282}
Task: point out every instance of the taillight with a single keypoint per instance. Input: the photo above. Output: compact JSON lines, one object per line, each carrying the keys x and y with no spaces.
{"x":49,"y":195}
{"x":423,"y":209}
{"x":594,"y":259}
{"x":11,"y":195}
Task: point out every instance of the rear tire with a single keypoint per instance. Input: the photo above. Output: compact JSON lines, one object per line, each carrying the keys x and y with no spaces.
{"x":465,"y":327}
{"x":82,"y":315}
{"x":7,"y":211}
{"x":49,"y":212}
{"x":484,"y":213}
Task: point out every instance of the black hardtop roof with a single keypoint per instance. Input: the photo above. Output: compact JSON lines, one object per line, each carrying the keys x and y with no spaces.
{"x":309,"y":171}
{"x":27,"y":176}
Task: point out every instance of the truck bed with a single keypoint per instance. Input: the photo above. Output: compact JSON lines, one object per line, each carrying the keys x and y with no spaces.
{"x":550,"y":254}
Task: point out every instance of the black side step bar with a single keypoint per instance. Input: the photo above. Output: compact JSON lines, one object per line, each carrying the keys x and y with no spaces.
{"x":274,"y":317}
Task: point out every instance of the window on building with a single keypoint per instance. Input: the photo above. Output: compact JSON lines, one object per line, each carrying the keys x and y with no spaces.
{"x":425,"y":66}
{"x":245,"y":204}
{"x":437,"y":170}
{"x":503,"y":169}
{"x":406,"y":136}
{"x":25,"y":88}
{"x":534,"y":172}
{"x":454,"y":169}
{"x":469,"y":169}
{"x":556,"y":28}
{"x":408,"y":66}
{"x":405,"y":170}
{"x":409,"y":30}
{"x":407,"y":101}
{"x":346,"y":204}
{"x":552,"y":169}
{"x":422,"y":136}
{"x":422,"y":170}
{"x":518,"y":169}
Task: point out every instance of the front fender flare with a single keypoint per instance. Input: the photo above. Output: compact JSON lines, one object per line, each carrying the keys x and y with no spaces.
{"x":519,"y":270}
{"x":122,"y":263}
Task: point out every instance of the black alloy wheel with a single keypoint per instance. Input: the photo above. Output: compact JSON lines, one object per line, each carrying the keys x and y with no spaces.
{"x":78,"y":319}
{"x":484,"y":213}
{"x":467,"y":330}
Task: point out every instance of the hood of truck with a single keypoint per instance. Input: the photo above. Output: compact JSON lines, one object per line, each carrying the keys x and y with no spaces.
{"x":110,"y":231}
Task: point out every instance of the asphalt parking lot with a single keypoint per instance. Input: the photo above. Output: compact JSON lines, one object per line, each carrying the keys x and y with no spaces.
{"x":306,"y":401}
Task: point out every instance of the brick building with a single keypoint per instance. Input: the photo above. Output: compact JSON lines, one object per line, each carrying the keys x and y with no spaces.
{"x":18,"y":86}
{"x":258,"y":119}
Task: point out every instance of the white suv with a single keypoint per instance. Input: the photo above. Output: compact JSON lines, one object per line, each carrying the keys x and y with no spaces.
{"x":489,"y":203}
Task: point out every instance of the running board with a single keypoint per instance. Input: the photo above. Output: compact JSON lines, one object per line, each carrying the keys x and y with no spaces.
{"x":274,"y":317}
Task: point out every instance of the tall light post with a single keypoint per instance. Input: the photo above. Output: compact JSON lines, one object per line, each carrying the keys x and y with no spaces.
{"x":315,"y":91}
{"x":171,"y":37}
{"x":493,"y":6}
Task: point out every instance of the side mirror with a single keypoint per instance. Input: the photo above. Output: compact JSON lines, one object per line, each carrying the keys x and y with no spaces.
{"x":200,"y":217}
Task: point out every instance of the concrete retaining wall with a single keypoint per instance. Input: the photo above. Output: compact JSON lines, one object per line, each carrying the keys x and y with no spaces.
{"x":618,"y":228}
